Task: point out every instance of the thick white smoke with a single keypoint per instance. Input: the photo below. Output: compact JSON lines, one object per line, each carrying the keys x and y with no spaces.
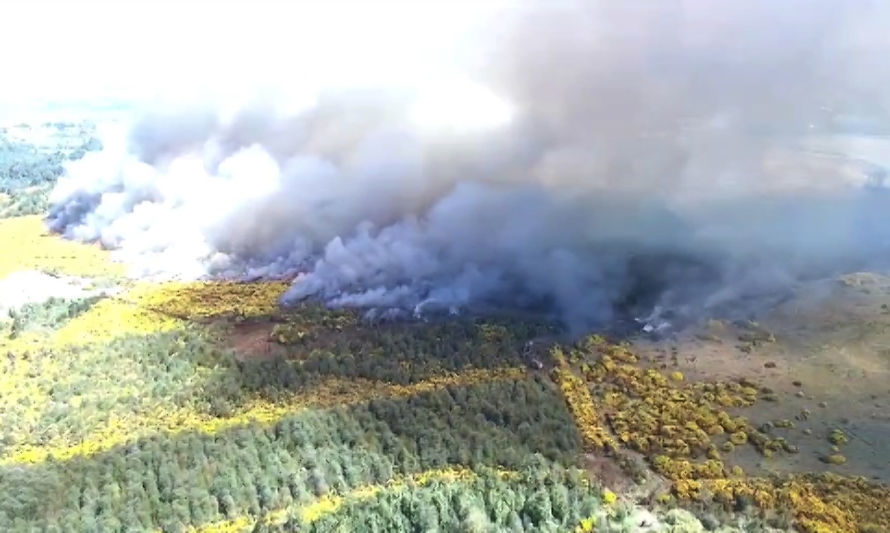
{"x":604,"y":155}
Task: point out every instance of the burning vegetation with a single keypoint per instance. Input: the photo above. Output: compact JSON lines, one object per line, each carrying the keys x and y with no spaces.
{"x":373,"y":304}
{"x":358,"y":421}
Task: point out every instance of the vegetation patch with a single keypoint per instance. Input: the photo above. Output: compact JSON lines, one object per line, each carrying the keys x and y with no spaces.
{"x":118,"y":372}
{"x":133,"y":411}
{"x":28,"y":171}
{"x":819,"y":503}
{"x":336,"y":342}
{"x":47,"y":316}
{"x":663,"y":416}
{"x":330,"y":504}
{"x":684,"y":430}
{"x":38,"y":249}
{"x":546,"y":499}
{"x":581,"y":405}
{"x":172,"y":481}
{"x":123,"y":429}
{"x":113,"y":318}
{"x":53,"y":398}
{"x":209,"y":299}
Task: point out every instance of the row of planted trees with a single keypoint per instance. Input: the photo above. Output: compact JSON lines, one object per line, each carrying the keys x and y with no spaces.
{"x":169,"y":481}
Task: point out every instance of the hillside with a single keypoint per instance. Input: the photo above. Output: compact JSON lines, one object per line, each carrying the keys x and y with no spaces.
{"x":205,"y":406}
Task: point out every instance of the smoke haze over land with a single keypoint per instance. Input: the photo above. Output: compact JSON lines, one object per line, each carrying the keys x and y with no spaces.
{"x":579,"y":157}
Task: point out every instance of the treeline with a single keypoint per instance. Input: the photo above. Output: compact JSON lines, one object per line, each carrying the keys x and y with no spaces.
{"x":172,"y":481}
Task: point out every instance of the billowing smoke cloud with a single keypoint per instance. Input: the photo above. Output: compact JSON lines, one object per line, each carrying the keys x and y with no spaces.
{"x":683,"y":153}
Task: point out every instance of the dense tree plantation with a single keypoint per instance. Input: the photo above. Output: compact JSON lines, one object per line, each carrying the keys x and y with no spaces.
{"x":186,"y":371}
{"x":550,"y":500}
{"x":399,"y":353}
{"x":193,"y":478}
{"x":173,"y":429}
{"x":189,"y":475}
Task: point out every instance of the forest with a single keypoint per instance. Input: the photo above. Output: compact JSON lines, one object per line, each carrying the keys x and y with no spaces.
{"x":184,"y":470}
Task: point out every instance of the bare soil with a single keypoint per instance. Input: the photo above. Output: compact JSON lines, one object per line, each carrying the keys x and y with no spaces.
{"x":254,"y":341}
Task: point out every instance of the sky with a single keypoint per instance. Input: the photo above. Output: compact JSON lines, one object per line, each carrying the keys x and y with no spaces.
{"x":138,"y":51}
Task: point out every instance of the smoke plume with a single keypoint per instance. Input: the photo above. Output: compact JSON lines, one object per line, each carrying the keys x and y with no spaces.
{"x":593,"y":157}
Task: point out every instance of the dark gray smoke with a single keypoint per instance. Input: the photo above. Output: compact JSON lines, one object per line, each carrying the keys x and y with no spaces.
{"x":677,"y":155}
